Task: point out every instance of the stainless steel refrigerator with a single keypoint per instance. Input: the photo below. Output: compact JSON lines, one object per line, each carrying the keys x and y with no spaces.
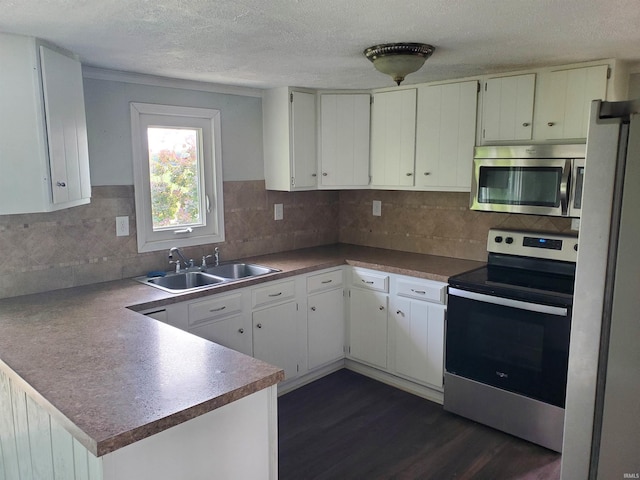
{"x":602,"y":419}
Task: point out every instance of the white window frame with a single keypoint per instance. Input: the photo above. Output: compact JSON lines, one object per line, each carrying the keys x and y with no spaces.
{"x":169,"y":115}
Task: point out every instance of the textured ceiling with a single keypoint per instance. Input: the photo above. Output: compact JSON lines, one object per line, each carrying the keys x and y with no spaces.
{"x":319,"y":43}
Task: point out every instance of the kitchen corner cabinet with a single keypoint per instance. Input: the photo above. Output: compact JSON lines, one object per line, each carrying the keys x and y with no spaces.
{"x":446,"y":134}
{"x":393,"y":138}
{"x":565,"y":101}
{"x":43,"y":135}
{"x":507,"y":108}
{"x":344,"y":140}
{"x":289,"y":139}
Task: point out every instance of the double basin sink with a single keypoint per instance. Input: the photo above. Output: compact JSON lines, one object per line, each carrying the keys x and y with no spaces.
{"x":206,"y":277}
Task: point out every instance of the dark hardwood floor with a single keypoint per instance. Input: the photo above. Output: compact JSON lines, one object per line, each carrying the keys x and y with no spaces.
{"x":347,"y":426}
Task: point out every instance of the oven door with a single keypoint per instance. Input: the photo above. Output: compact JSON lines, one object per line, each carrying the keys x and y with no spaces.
{"x":510,"y":344}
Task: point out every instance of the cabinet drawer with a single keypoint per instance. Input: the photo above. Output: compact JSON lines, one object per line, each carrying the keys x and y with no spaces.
{"x":273,"y":293}
{"x":370,"y":280}
{"x":324,"y":281}
{"x":214,"y":308}
{"x":423,"y":290}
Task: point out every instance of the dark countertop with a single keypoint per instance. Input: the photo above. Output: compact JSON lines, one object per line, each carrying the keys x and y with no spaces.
{"x":111,"y":376}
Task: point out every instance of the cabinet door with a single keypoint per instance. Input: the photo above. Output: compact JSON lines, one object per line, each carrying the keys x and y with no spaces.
{"x":325,"y":332}
{"x":393,"y":138}
{"x":566,"y":97}
{"x":418,"y":329}
{"x":446,"y":135}
{"x":230,"y":332}
{"x":275,"y":337}
{"x":66,"y":126}
{"x":507,"y":108}
{"x":368,"y":326}
{"x":303,"y":140}
{"x":344,"y":146}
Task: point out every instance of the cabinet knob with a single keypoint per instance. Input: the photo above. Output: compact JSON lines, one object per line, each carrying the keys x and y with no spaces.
{"x":399,"y":312}
{"x":324,"y":174}
{"x":314,"y":175}
{"x":259,"y":325}
{"x":427,"y":173}
{"x":409,"y":174}
{"x":551,"y":124}
{"x":526,"y":124}
{"x":381,"y":307}
{"x":241,"y":330}
{"x":313,"y":309}
{"x":61,"y":184}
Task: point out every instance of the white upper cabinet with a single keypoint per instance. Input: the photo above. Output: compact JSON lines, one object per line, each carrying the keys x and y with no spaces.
{"x":344,"y":140}
{"x":565,"y":101}
{"x":393,"y":138}
{"x":507,"y":108}
{"x":289,"y":128}
{"x":445,"y":136}
{"x":44,"y":153}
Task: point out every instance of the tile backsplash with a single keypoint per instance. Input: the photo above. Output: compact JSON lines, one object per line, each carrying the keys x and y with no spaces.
{"x":79,"y":246}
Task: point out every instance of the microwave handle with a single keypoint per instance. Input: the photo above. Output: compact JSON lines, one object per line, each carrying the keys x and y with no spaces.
{"x":564,"y":187}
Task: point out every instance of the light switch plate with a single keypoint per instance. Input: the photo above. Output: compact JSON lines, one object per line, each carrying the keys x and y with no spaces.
{"x":122,"y":226}
{"x":377,"y":208}
{"x":278,"y":211}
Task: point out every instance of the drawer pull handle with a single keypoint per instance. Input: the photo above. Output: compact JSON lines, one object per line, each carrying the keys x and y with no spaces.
{"x":218,"y":309}
{"x":326,"y":281}
{"x":313,"y":309}
{"x":421,"y":292}
{"x":368,"y":282}
{"x":381,"y":307}
{"x":241,"y":330}
{"x":275,"y":294}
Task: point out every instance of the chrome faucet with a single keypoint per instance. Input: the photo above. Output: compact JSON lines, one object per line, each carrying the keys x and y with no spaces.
{"x":181,"y":258}
{"x":216,"y":255}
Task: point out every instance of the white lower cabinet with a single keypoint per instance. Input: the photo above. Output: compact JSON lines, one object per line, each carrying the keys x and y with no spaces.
{"x":368,"y":326}
{"x":325,"y":328}
{"x":228,"y":331}
{"x":418,"y":340}
{"x":275,"y":337}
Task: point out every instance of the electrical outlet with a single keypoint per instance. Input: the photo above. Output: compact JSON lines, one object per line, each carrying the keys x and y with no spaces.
{"x":122,"y":226}
{"x":278,"y":211}
{"x":377,"y":208}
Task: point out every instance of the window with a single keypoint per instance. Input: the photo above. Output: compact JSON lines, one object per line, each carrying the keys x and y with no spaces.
{"x":177,"y":170}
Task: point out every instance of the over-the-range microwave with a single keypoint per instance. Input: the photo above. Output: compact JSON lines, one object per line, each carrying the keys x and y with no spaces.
{"x":533,"y":179}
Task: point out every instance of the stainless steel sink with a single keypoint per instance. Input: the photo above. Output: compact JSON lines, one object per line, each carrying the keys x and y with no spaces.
{"x":187,"y":281}
{"x":234,"y":271}
{"x":181,"y":282}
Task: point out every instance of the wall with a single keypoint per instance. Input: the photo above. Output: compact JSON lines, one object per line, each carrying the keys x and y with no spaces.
{"x":438,"y":223}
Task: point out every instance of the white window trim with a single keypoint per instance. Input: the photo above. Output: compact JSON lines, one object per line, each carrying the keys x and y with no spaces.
{"x":149,"y":241}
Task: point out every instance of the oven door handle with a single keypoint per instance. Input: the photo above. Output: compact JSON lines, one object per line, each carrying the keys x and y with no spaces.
{"x":508,"y":302}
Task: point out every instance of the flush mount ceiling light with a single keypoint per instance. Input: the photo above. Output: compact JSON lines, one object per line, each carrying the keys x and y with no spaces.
{"x":398,"y":59}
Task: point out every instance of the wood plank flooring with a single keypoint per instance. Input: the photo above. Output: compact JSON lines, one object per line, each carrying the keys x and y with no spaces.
{"x":347,"y":426}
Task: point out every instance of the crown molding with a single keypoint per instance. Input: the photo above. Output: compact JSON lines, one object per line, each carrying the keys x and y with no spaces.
{"x":157,"y":81}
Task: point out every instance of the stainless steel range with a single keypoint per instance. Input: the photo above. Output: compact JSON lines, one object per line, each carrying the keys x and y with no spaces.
{"x":508,"y":327}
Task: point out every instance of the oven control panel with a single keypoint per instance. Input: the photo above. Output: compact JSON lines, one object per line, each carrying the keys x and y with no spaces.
{"x":552,"y":246}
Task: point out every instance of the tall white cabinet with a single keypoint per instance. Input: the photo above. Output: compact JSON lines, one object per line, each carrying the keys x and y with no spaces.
{"x":393,"y":138}
{"x":44,"y":153}
{"x":289,"y":139}
{"x":445,"y":135}
{"x":344,"y":140}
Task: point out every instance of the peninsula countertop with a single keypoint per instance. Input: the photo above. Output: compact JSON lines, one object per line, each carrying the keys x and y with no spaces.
{"x":112,"y":376}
